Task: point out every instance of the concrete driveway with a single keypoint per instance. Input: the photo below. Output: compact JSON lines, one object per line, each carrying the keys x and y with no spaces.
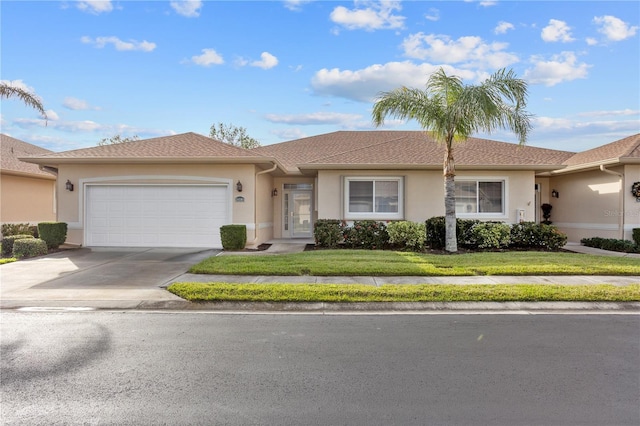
{"x":98,"y":277}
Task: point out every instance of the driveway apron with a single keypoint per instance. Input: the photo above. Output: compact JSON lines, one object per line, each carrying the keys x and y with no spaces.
{"x":97,"y":274}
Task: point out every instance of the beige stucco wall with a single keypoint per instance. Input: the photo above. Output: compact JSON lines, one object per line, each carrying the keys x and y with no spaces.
{"x":424,"y":193}
{"x":589,"y":203}
{"x":25,"y":199}
{"x":71,"y":204}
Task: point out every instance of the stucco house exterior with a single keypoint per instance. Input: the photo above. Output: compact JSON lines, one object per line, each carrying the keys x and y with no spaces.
{"x":27,"y":193}
{"x":176,"y":191}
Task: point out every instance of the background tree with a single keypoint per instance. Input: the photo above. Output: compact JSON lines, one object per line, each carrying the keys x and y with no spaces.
{"x":117,"y":139}
{"x":8,"y":91}
{"x":233,"y":135}
{"x":452,"y":112}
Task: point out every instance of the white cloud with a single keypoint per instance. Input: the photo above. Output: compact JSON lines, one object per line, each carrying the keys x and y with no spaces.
{"x":289,"y":134}
{"x":52,"y":115}
{"x":76,"y":104}
{"x":471,"y":51}
{"x":614,"y":29}
{"x":95,"y":7}
{"x":373,"y":16}
{"x":618,"y":113}
{"x":295,"y":5}
{"x":561,"y":68}
{"x":314,"y":118}
{"x":188,"y":8}
{"x":209,"y":57}
{"x":503,"y":27}
{"x":433,"y":15}
{"x":363,"y":85}
{"x":591,"y":41}
{"x":131,"y":45}
{"x":267,"y":61}
{"x":488,"y":3}
{"x":557,"y":31}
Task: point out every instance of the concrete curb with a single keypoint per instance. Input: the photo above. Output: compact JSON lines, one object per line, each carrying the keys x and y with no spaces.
{"x":391,"y":306}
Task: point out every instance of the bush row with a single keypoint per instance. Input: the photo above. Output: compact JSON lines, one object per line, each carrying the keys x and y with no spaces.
{"x":405,"y":235}
{"x":51,"y":234}
{"x":612,"y":244}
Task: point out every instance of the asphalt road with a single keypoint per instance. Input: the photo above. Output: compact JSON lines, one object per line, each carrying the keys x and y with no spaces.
{"x":201,"y":368}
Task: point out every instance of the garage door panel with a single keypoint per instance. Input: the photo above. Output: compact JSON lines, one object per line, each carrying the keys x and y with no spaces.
{"x":156,"y":215}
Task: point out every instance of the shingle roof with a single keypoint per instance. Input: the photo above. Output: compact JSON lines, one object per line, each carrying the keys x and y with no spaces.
{"x":628,"y":147}
{"x":410,"y":148}
{"x":12,"y":148}
{"x":183,"y":146}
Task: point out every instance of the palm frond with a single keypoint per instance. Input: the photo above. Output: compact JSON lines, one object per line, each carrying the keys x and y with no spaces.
{"x":29,"y":99}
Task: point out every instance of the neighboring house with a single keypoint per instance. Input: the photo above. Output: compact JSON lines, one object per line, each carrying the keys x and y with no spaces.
{"x":593,"y":191}
{"x":27,"y":193}
{"x":176,"y":191}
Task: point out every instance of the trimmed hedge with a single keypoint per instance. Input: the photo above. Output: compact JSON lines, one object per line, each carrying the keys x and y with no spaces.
{"x":367,"y":234}
{"x":234,"y":237}
{"x":611,"y":244}
{"x":9,"y":229}
{"x":436,"y":232}
{"x":407,"y":235}
{"x":472,"y":233}
{"x":328,"y":233}
{"x":53,"y":233}
{"x":537,"y":236}
{"x":635,"y":234}
{"x":29,"y":247}
{"x":8,"y":242}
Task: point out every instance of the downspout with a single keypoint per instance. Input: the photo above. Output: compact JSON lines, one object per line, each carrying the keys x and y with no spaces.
{"x":255,"y":201}
{"x":621,"y":199}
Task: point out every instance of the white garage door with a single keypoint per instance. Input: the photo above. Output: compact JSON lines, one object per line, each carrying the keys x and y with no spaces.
{"x":155,"y":215}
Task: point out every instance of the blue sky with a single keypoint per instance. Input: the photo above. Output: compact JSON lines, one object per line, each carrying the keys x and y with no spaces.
{"x":290,"y":69}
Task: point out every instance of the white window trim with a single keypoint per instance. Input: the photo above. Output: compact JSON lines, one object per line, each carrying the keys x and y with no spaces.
{"x":505,"y":197}
{"x":374,"y":216}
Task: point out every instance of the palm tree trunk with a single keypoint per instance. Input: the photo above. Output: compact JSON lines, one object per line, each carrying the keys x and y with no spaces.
{"x":451,"y":241}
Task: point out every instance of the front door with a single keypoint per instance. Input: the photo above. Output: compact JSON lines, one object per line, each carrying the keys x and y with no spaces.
{"x":297,"y":214}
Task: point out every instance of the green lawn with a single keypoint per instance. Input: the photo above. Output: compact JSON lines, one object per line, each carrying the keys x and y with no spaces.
{"x":4,"y":260}
{"x":389,"y":263}
{"x":216,"y":292}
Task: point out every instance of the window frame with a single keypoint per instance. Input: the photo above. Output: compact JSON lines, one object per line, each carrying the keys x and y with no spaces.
{"x":399,"y":215}
{"x":489,"y":215}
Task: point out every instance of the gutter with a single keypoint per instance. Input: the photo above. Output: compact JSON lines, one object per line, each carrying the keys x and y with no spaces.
{"x":621,"y":199}
{"x":53,"y":170}
{"x":255,"y":201}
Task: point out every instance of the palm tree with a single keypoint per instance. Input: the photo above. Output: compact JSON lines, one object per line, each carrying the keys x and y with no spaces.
{"x":7,"y":91}
{"x":453,"y":112}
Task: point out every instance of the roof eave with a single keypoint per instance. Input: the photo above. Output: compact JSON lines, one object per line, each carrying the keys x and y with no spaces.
{"x":533,"y":167}
{"x":164,"y":160}
{"x":587,"y":166}
{"x":27,"y":174}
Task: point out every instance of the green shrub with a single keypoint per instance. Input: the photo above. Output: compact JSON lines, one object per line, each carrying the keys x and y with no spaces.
{"x":54,"y":233}
{"x":9,"y":229}
{"x":29,"y":247}
{"x":611,"y":244}
{"x":537,"y":236}
{"x":436,"y":232}
{"x":7,"y":243}
{"x":328,"y":233}
{"x":490,"y":235}
{"x":635,"y":234}
{"x":407,"y":235}
{"x":234,"y":237}
{"x":366,"y":234}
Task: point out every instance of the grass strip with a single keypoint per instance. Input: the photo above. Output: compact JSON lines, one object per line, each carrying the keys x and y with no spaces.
{"x":7,"y":260}
{"x":389,"y":263}
{"x":218,"y":292}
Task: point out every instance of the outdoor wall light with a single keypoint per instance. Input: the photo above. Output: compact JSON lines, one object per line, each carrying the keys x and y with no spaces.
{"x":274,"y":193}
{"x":239,"y":186}
{"x":68,"y":186}
{"x":555,"y":194}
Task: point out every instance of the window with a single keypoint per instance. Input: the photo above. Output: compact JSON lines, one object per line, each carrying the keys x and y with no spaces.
{"x":373,"y":198}
{"x":480,"y":197}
